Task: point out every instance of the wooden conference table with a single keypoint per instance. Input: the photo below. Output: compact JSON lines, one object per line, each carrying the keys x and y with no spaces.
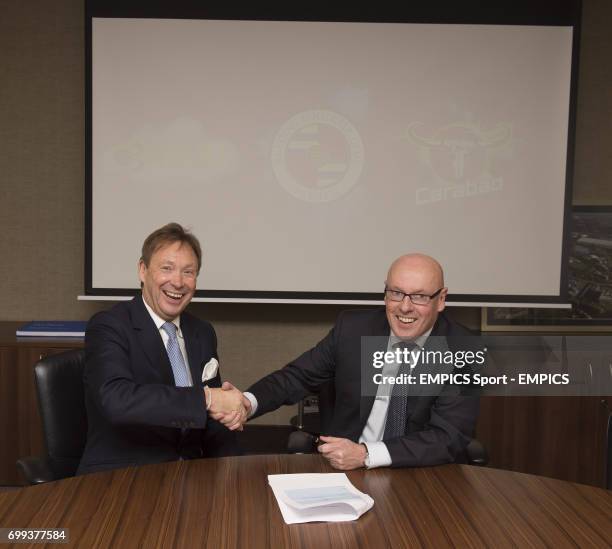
{"x":227,"y":503}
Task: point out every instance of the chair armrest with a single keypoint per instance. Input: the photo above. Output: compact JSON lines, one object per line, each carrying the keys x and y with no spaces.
{"x":35,"y":470}
{"x":476,"y":453}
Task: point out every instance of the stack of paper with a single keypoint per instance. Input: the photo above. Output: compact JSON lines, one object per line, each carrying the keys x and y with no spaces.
{"x":328,"y":497}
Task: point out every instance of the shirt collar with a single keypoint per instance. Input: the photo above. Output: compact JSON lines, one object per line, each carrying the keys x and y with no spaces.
{"x":420,"y":341}
{"x":159,"y":321}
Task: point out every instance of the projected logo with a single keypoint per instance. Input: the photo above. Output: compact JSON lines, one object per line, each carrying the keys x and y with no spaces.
{"x":459,"y":154}
{"x":183,"y":151}
{"x":317,"y":156}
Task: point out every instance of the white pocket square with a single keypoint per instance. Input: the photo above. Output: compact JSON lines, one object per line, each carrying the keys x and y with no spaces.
{"x":210,"y":369}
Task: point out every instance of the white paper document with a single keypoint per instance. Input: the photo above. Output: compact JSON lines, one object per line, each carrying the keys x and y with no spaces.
{"x":324,"y":497}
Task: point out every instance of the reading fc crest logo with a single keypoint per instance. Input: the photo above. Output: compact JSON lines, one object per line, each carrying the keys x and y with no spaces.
{"x":317,"y":156}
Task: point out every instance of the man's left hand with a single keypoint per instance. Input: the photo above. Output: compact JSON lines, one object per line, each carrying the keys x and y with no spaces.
{"x":342,"y":453}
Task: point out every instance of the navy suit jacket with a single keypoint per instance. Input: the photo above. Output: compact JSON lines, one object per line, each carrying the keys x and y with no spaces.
{"x":438,"y":427}
{"x":135,"y":413}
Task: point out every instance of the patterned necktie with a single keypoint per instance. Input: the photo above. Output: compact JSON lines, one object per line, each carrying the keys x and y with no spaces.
{"x":179,"y":368}
{"x":395,"y":425}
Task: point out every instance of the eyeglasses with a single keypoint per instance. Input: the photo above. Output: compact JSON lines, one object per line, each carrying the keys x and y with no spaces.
{"x":417,"y":299}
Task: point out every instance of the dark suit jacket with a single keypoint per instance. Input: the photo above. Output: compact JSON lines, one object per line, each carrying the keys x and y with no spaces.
{"x":135,"y":413}
{"x":438,"y":427}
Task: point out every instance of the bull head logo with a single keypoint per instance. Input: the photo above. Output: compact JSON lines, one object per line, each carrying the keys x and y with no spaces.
{"x":458,"y":152}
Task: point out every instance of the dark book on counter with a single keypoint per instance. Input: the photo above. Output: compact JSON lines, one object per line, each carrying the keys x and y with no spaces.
{"x":53,"y":328}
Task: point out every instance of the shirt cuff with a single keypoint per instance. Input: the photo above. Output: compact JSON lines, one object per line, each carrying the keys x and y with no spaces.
{"x":253,"y":402}
{"x":378,"y":454}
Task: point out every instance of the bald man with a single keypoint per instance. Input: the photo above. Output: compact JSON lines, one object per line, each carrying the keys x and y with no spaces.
{"x":370,"y":429}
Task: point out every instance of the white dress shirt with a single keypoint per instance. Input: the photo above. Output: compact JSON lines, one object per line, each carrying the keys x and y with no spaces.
{"x":159,"y":322}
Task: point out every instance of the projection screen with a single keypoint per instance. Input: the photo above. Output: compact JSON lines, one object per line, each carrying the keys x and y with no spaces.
{"x":306,"y":155}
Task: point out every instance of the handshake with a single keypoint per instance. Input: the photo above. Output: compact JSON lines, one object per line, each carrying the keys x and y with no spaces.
{"x":228,"y":405}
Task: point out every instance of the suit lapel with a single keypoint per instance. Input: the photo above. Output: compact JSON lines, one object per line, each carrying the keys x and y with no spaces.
{"x":420,"y":396}
{"x":435,"y":343}
{"x":150,"y":340}
{"x":192,"y":346}
{"x":441,"y":327}
{"x":380,"y":329}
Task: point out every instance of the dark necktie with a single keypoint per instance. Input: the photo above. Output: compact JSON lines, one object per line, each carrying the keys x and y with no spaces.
{"x":395,"y":425}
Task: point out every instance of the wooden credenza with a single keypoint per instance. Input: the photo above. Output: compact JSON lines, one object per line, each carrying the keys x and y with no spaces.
{"x":559,"y":437}
{"x":20,"y":425}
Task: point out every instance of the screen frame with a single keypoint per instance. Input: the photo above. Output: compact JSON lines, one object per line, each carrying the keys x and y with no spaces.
{"x":517,"y":12}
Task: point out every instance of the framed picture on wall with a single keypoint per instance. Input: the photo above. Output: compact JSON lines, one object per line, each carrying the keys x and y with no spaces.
{"x":589,"y":283}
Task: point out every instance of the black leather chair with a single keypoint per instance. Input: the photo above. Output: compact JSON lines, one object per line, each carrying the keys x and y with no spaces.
{"x":61,"y":401}
{"x":303,"y":441}
{"x":264,"y":439}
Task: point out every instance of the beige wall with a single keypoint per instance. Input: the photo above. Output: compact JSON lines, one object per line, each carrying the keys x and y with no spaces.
{"x":42,"y":175}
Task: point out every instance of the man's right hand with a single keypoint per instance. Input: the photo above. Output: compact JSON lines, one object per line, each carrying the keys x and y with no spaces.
{"x":228,"y":405}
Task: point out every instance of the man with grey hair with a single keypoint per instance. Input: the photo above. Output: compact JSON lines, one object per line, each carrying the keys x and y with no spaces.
{"x":373,"y":430}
